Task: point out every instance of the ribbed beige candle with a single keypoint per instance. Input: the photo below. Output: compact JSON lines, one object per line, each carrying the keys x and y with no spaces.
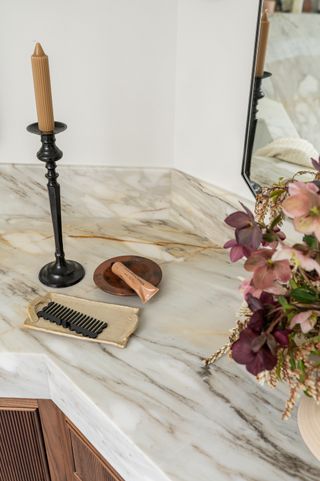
{"x":42,"y":89}
{"x":263,"y":43}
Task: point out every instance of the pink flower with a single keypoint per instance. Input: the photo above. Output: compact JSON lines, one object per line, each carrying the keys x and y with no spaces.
{"x":306,"y":319}
{"x":237,"y":251}
{"x":303,"y":206}
{"x":247,"y":288}
{"x":297,"y":258}
{"x":276,"y":289}
{"x":298,"y":187}
{"x":266,"y":272}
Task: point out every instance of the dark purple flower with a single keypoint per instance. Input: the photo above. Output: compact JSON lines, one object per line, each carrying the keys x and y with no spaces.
{"x":257,"y":321}
{"x":247,"y":231}
{"x":252,"y":350}
{"x":250,"y":236}
{"x":265,"y":301}
{"x":282,"y":336}
{"x":263,"y":312}
{"x":316,"y":164}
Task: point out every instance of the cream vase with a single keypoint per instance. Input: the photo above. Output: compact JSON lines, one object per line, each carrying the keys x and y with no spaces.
{"x":297,"y":6}
{"x":309,"y":424}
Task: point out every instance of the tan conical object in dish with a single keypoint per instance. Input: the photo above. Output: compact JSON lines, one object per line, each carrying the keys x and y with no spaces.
{"x":143,"y":288}
{"x":42,"y":89}
{"x":309,"y":424}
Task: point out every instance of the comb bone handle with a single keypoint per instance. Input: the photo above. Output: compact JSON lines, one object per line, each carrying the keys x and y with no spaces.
{"x":144,"y":289}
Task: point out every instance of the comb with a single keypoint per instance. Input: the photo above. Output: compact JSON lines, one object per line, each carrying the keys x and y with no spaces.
{"x":74,"y":320}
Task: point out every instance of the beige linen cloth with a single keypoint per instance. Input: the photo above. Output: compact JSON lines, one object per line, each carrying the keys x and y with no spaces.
{"x":294,"y":150}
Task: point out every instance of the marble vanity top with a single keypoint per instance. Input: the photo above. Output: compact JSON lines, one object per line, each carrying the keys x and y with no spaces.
{"x":151,"y":409}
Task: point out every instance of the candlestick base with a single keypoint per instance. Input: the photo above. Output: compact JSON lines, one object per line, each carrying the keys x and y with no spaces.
{"x":61,"y":274}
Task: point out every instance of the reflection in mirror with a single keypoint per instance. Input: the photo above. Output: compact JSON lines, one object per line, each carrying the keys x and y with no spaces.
{"x":283,"y":130}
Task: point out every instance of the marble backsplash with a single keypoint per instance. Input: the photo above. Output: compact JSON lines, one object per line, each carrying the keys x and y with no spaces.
{"x":202,"y":207}
{"x":113,"y":193}
{"x":86,"y":191}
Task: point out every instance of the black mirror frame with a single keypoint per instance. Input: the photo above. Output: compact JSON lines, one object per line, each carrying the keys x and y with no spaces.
{"x":246,"y":162}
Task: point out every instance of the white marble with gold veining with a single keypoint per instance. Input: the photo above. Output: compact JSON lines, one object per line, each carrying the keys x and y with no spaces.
{"x":151,"y":409}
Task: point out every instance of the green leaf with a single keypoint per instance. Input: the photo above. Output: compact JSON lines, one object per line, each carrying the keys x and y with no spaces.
{"x":292,"y":362}
{"x":276,"y":194}
{"x":314,"y":339}
{"x":311,"y":241}
{"x":286,"y":306}
{"x":291,"y":315}
{"x":268,"y":237}
{"x":304,"y":295}
{"x":279,"y":364}
{"x":283,"y":301}
{"x":275,"y":221}
{"x":293,"y":284}
{"x":301,"y":367}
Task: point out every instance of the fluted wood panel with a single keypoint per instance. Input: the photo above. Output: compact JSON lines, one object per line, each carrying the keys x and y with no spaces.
{"x":22,"y":453}
{"x":88,"y":463}
{"x":59,"y":452}
{"x":38,"y":443}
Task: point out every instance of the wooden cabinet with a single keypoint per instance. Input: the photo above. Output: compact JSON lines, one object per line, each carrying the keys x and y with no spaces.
{"x":88,"y":465}
{"x":22,"y":449}
{"x":38,"y":443}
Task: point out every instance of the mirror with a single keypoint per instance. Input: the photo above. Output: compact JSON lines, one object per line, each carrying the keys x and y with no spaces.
{"x":283,"y":128}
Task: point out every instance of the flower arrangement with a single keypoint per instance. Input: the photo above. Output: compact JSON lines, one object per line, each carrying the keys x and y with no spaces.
{"x":277,"y":334}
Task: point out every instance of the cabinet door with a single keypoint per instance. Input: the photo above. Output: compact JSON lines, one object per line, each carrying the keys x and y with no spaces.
{"x":56,"y":439}
{"x":22,"y":451}
{"x":88,"y":464}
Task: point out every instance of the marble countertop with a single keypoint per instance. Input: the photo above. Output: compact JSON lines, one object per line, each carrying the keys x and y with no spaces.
{"x":151,"y":409}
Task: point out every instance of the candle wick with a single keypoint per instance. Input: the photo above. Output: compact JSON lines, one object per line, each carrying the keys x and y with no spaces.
{"x":38,"y":51}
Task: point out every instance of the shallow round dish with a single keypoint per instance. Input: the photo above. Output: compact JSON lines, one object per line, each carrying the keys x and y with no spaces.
{"x":106,"y":280}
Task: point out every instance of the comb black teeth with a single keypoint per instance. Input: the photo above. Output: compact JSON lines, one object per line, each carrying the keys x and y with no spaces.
{"x":70,"y":319}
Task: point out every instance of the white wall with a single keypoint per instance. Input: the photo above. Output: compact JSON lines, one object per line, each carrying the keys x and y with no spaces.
{"x":215,"y":46}
{"x":139,"y":82}
{"x":113,"y":78}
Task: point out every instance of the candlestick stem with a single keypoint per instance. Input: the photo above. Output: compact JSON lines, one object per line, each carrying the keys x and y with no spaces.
{"x":61,"y":272}
{"x":54,"y":197}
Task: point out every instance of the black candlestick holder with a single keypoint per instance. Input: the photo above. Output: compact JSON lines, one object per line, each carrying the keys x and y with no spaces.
{"x":256,"y":96}
{"x":61,"y":272}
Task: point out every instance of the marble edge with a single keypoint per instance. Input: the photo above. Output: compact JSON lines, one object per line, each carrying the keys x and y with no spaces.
{"x":43,"y":378}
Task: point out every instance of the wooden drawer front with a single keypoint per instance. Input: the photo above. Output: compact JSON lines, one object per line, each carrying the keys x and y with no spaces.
{"x":22,"y":452}
{"x":88,"y":463}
